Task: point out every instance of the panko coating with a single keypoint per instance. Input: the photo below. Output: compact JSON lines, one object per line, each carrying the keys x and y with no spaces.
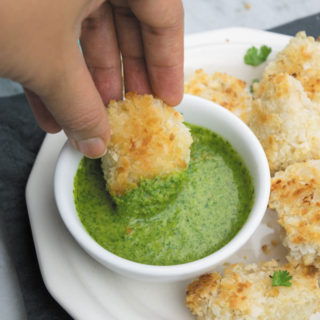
{"x":226,"y":90}
{"x":148,"y":140}
{"x":245,"y":292}
{"x":300,"y":59}
{"x":295,"y":195}
{"x":285,"y":121}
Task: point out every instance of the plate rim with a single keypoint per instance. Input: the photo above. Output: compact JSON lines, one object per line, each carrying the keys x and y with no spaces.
{"x":213,"y":37}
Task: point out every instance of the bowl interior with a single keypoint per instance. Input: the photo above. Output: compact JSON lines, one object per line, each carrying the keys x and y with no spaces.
{"x":196,"y":111}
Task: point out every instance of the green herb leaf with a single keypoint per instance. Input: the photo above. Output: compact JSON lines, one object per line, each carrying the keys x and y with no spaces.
{"x":281,"y":278}
{"x":251,"y":86}
{"x":254,"y":57}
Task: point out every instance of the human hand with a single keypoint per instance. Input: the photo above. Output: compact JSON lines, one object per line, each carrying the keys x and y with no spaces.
{"x":69,"y":90}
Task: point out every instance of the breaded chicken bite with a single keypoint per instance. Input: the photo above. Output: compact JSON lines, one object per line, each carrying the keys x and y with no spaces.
{"x":295,"y":195}
{"x":226,"y":90}
{"x":245,"y":292}
{"x":148,"y":140}
{"x":300,"y":59}
{"x":285,"y":121}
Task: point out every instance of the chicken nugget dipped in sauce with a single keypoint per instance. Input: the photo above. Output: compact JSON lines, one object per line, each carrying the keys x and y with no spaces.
{"x":149,"y":150}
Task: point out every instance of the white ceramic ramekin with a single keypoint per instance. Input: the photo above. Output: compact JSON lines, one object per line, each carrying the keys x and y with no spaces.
{"x":200,"y":112}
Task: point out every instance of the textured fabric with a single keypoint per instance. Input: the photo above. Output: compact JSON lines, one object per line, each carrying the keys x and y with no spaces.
{"x":20,"y":139}
{"x":311,"y":25}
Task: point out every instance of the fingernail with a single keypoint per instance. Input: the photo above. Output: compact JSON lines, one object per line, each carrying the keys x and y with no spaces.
{"x":92,"y":148}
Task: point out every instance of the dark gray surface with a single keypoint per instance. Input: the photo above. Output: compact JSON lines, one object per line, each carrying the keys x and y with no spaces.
{"x":309,"y":24}
{"x":11,"y":302}
{"x":20,"y":139}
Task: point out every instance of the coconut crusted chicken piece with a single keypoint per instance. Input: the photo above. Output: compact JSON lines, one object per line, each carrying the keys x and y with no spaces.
{"x":285,"y":121}
{"x":226,"y":90}
{"x":245,"y":292}
{"x":148,"y":139}
{"x":295,"y":195}
{"x":300,"y":59}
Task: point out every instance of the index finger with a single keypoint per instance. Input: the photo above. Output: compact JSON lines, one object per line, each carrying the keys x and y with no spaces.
{"x":162,"y":27}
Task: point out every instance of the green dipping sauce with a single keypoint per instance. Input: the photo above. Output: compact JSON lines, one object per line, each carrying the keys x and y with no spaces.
{"x":214,"y":202}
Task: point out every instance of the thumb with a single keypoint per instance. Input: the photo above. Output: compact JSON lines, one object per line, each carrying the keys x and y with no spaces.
{"x":77,"y":107}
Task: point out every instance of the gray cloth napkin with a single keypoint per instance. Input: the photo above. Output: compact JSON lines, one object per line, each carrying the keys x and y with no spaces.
{"x":20,"y":139}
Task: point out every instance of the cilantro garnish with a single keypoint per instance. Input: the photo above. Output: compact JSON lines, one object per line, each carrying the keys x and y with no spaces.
{"x":251,"y":86}
{"x":254,"y":57}
{"x":281,"y":278}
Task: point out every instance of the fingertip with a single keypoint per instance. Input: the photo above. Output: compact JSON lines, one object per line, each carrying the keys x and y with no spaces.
{"x":92,"y":148}
{"x":172,"y":98}
{"x":168,"y":85}
{"x":90,"y":144}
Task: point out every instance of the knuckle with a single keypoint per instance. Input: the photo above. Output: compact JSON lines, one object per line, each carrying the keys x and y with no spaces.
{"x":85,"y":122}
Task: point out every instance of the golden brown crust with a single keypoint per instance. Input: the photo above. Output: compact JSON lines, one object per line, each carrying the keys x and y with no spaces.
{"x":226,"y":90}
{"x":285,"y":113}
{"x":199,"y":291}
{"x":148,"y":139}
{"x":285,"y":121}
{"x":300,"y":59}
{"x":295,"y":195}
{"x":245,"y":292}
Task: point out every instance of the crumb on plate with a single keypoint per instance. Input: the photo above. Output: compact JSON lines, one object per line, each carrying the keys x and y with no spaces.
{"x":265,"y":248}
{"x":247,"y":5}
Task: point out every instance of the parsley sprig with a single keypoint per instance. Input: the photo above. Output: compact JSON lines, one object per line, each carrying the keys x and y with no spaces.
{"x":255,"y":57}
{"x":281,"y":278}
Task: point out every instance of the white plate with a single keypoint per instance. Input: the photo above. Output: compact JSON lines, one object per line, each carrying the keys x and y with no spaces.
{"x":82,"y":286}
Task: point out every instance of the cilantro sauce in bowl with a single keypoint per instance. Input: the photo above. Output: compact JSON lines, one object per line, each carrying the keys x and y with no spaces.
{"x":211,"y":207}
{"x":221,"y":202}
